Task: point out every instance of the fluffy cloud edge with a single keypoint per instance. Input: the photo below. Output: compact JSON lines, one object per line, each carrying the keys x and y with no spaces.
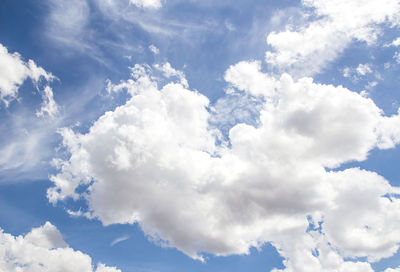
{"x":15,"y":71}
{"x":43,"y":249}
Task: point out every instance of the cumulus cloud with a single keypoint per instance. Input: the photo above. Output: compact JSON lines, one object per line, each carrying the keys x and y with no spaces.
{"x":306,"y":49}
{"x":14,"y":71}
{"x":363,"y":69}
{"x":43,"y":249}
{"x":247,"y":76}
{"x":156,"y":161}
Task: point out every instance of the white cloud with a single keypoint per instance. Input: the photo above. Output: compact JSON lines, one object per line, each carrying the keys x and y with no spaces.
{"x":67,"y":22}
{"x":154,"y":49}
{"x":43,"y":249}
{"x":308,"y":48}
{"x":14,"y":71}
{"x":371,"y":85}
{"x":363,"y":69}
{"x":119,"y":240}
{"x":247,"y":76}
{"x":151,"y":4}
{"x":26,"y":144}
{"x":49,"y":106}
{"x":168,"y":72}
{"x":360,"y":72}
{"x":347,"y":72}
{"x":392,"y":270}
{"x":229,"y":26}
{"x":154,"y":161}
{"x":46,"y":236}
{"x":397,"y":57}
{"x":152,"y":21}
{"x":396,"y":42}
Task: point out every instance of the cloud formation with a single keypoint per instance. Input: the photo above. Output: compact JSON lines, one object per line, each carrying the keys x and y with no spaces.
{"x":155,"y":161}
{"x":14,"y":71}
{"x":43,"y":249}
{"x":152,"y":4}
{"x":307,"y":48}
{"x":119,"y":240}
{"x":25,"y":145}
{"x":272,"y":171}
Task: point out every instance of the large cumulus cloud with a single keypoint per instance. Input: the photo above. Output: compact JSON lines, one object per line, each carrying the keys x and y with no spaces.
{"x":158,"y":161}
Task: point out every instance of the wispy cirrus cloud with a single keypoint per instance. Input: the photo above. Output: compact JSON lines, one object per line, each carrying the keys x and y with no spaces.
{"x":119,"y":240}
{"x":23,"y":149}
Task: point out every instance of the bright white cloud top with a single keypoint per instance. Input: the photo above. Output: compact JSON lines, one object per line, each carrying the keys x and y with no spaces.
{"x":43,"y":249}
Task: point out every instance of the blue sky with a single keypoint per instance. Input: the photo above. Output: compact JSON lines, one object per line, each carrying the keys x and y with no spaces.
{"x":169,"y":135}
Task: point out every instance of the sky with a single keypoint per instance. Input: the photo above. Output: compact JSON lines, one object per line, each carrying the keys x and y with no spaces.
{"x":170,"y":135}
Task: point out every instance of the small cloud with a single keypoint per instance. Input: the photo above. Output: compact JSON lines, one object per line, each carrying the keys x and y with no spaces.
{"x":229,"y":26}
{"x":397,"y":57}
{"x":396,"y":42}
{"x":49,"y":106}
{"x":363,"y":69}
{"x":119,"y":240}
{"x":346,"y":72}
{"x":371,"y":85}
{"x":356,"y":74}
{"x":79,"y":213}
{"x":154,"y":49}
